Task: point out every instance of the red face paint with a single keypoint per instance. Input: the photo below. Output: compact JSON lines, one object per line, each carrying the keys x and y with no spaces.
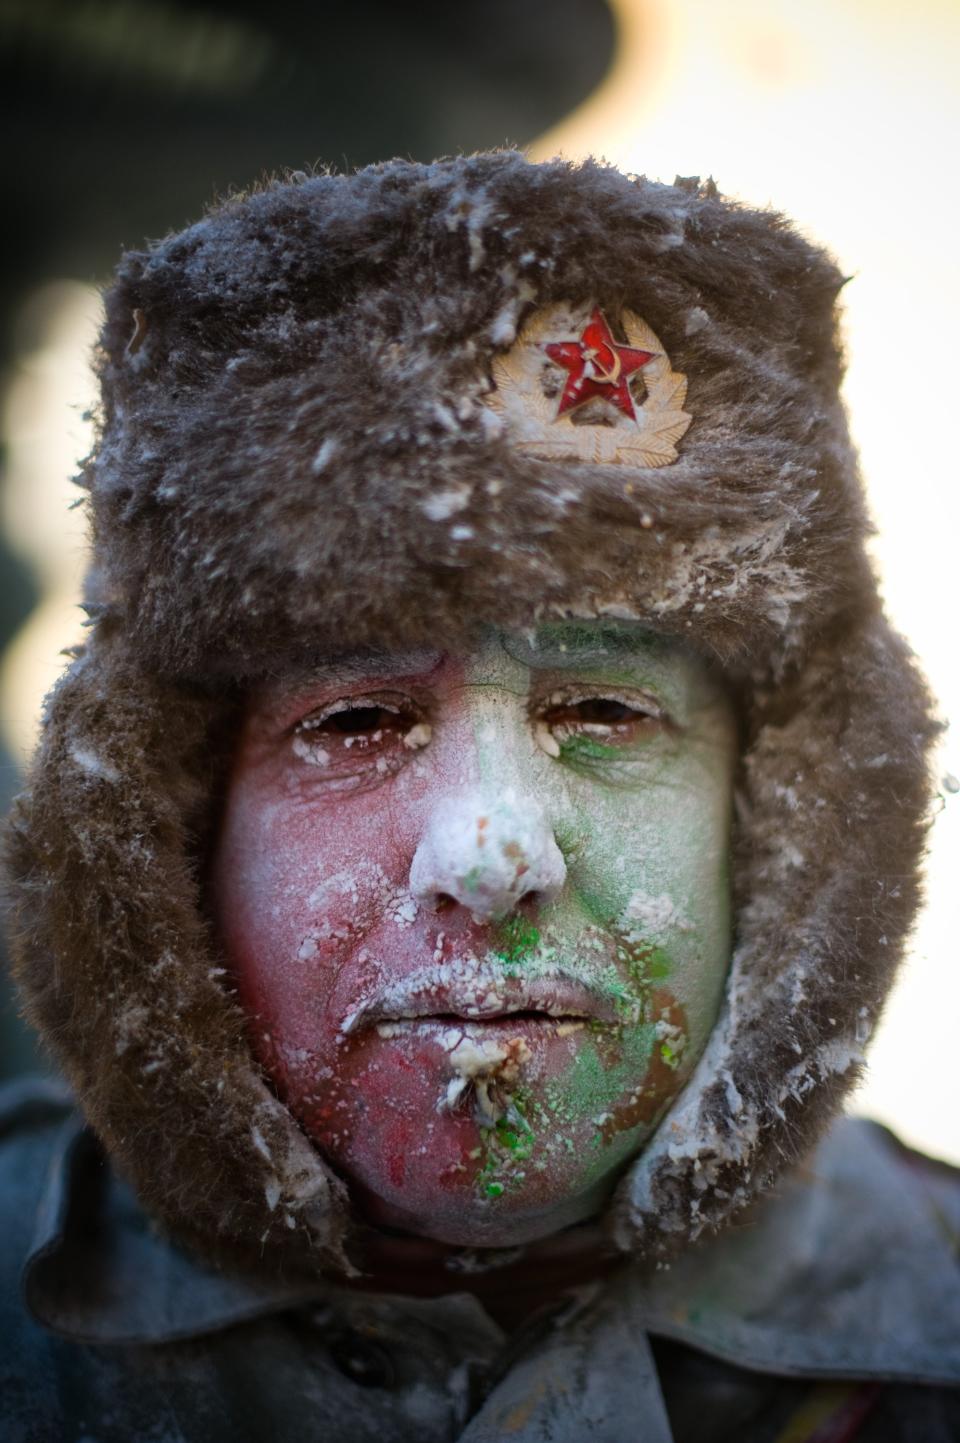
{"x":476,"y":913}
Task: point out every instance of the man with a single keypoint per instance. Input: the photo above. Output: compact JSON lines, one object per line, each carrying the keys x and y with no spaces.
{"x":468,"y":540}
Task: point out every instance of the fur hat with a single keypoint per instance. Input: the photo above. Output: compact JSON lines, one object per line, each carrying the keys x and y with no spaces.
{"x":313,"y":432}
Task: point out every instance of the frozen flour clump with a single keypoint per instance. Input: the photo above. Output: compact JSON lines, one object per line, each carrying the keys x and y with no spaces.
{"x":652,"y":919}
{"x":489,"y":1070}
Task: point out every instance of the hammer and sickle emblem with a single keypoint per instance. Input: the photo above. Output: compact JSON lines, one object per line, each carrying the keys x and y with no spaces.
{"x":608,"y":377}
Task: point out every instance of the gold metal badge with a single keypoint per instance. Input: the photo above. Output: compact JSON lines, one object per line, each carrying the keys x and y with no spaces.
{"x":568,"y":388}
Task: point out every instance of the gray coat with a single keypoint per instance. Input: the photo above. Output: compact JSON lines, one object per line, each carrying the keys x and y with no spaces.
{"x":833,"y":1314}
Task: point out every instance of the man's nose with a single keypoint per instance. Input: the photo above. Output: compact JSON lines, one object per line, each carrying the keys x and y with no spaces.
{"x":487,"y":856}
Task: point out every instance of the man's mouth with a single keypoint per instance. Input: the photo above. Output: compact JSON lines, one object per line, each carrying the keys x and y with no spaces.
{"x":440,"y":996}
{"x":446,"y":1025}
{"x":489,"y":1028}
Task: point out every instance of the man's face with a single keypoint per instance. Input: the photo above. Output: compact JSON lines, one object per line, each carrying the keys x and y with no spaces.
{"x":477,"y":912}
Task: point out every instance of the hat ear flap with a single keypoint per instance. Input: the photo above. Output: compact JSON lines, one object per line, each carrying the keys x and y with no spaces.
{"x":119,"y":971}
{"x":831,"y":829}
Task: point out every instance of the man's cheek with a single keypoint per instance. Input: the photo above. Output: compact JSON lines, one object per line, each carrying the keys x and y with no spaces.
{"x":298,"y":908}
{"x":287,"y":863}
{"x":378,"y":1117}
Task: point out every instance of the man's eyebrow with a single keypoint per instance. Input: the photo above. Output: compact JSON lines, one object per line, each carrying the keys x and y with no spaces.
{"x":357,"y":666}
{"x":578,"y":646}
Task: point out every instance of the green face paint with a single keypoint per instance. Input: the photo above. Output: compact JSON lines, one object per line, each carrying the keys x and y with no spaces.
{"x":637,"y":792}
{"x":517,"y":941}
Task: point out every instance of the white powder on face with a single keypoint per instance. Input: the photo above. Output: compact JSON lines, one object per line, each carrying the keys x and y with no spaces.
{"x":486,"y":1069}
{"x":370,"y":890}
{"x":405,"y":909}
{"x":652,"y":918}
{"x":487,"y":857}
{"x":546,"y":740}
{"x":310,"y":752}
{"x":341,"y":884}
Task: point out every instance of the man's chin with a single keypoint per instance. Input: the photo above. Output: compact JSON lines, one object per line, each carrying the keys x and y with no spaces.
{"x":469,"y":1220}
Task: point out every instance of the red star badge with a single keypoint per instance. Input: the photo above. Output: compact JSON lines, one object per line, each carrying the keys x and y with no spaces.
{"x":597,"y":366}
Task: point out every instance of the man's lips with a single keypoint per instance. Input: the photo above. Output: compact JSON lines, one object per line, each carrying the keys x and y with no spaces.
{"x":482,"y":996}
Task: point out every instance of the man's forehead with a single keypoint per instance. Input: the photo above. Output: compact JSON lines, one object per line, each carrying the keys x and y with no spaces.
{"x":581,"y":643}
{"x":554,"y":646}
{"x":370,"y":662}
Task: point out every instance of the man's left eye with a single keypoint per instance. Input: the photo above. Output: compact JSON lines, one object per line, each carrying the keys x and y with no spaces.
{"x":599,"y":721}
{"x":598,"y":711}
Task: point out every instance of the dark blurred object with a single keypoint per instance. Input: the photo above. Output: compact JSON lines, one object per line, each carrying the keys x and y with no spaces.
{"x":123,"y":118}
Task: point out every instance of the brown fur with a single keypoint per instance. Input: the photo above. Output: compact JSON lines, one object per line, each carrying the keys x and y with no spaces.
{"x":284,"y":384}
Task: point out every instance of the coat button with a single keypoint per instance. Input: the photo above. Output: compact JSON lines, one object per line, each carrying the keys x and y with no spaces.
{"x":363,"y":1361}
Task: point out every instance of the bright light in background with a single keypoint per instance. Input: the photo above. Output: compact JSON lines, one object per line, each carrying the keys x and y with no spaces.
{"x":846,"y":115}
{"x":43,"y":419}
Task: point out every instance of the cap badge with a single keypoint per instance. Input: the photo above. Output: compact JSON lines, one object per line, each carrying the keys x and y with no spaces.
{"x":597,"y":366}
{"x":568,"y":388}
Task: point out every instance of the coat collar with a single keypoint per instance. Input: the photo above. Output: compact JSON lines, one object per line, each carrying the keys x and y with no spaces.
{"x":99,"y":1271}
{"x":849,"y":1270}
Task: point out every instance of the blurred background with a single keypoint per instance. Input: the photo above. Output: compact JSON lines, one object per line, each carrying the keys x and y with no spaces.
{"x":124,"y":118}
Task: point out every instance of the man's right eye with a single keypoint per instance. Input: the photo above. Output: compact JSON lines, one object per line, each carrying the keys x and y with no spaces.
{"x":352,"y":730}
{"x":358,"y":719}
